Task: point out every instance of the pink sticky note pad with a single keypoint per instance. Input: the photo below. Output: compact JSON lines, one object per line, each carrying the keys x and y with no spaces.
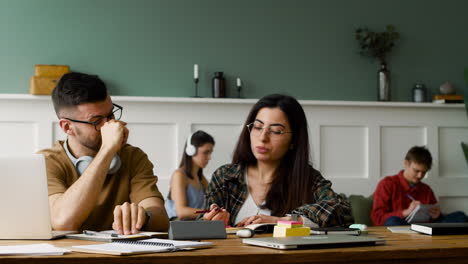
{"x":290,"y":222}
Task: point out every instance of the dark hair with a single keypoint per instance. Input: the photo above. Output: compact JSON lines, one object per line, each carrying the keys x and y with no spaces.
{"x":420,"y":155}
{"x":77,"y":88}
{"x":198,"y":139}
{"x":291,"y":186}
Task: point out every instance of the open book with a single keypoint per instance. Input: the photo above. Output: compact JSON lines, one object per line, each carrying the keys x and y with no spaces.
{"x":420,"y":214}
{"x":111,"y":235}
{"x":152,"y":245}
{"x":258,"y":228}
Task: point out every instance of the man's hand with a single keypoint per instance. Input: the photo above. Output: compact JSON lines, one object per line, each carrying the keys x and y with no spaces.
{"x":128,"y":218}
{"x":410,"y":208}
{"x":434,"y":212}
{"x":217,"y":214}
{"x":114,"y":135}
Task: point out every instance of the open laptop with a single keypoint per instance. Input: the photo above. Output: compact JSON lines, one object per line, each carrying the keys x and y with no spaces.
{"x":24,"y":199}
{"x":313,"y":241}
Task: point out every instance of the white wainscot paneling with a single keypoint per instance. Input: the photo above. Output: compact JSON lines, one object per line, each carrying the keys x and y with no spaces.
{"x":395,"y":143}
{"x":452,"y":204}
{"x":451,"y":159}
{"x":57,"y":132}
{"x":18,"y":138}
{"x":344,"y":151}
{"x":225,"y":136}
{"x":157,"y":141}
{"x":353,"y":144}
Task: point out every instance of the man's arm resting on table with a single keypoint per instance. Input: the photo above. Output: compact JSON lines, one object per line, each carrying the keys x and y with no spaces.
{"x":159,"y":220}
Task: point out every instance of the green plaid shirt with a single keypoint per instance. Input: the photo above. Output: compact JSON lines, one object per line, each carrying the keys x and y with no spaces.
{"x":228,"y":189}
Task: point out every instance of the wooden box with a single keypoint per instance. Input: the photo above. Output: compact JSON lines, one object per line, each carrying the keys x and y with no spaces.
{"x":46,"y":78}
{"x":44,"y":70}
{"x":43,"y":85}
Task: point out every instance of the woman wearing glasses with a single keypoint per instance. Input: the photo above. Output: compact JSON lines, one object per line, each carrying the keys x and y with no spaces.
{"x":188,"y":184}
{"x":271,"y":178}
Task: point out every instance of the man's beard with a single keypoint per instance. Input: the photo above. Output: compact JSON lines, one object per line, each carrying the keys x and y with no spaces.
{"x":89,"y":143}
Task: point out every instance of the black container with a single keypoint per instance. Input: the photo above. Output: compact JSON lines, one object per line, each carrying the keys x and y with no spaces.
{"x":219,"y":85}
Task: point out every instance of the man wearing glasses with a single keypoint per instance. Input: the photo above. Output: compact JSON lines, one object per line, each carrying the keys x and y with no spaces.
{"x":96,"y":180}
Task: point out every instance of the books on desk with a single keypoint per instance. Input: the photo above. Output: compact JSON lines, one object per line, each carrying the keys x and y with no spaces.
{"x":111,"y":235}
{"x":420,"y":214}
{"x":152,"y":245}
{"x":441,"y":228}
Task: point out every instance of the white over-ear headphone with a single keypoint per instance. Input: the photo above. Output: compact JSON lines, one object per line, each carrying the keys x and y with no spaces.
{"x":190,"y":149}
{"x":82,"y":163}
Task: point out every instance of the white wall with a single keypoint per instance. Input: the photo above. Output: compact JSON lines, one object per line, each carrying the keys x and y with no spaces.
{"x":354,"y":144}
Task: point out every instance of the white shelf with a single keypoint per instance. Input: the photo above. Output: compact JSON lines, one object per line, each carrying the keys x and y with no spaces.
{"x":208,"y":100}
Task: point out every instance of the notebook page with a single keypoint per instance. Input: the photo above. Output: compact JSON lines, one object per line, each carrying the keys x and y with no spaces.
{"x":32,"y":249}
{"x":152,"y":245}
{"x":123,"y":248}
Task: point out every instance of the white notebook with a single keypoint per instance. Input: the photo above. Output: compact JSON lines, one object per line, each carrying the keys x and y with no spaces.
{"x":111,"y":236}
{"x":152,"y":245}
{"x":42,"y":249}
{"x":420,"y":214}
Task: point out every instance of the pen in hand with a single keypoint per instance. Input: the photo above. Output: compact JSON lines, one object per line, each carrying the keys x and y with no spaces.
{"x":411,"y":197}
{"x":206,"y":211}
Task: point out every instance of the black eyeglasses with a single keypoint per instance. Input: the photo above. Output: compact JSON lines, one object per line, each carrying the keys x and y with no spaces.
{"x":116,"y":114}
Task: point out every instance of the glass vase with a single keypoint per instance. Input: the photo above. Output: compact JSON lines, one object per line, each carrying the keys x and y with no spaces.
{"x":383,"y":93}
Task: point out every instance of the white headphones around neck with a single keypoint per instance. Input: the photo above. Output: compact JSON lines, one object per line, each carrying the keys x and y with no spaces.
{"x":190,"y":150}
{"x":82,"y":163}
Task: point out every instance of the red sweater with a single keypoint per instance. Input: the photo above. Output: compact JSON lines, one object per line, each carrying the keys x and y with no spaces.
{"x":390,"y":197}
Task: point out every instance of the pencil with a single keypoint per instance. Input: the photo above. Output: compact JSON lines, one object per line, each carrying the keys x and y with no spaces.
{"x":411,"y":197}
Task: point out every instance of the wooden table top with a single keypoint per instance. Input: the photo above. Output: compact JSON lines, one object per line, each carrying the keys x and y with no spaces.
{"x":399,"y":248}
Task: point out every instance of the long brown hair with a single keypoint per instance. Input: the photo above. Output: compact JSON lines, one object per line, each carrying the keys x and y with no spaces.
{"x":198,"y":139}
{"x":291,"y":187}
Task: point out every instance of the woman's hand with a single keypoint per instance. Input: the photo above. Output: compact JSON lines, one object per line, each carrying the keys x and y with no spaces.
{"x":258,"y":219}
{"x":217,"y":213}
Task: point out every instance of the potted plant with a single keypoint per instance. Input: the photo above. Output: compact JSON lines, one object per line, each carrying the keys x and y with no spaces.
{"x":378,"y":45}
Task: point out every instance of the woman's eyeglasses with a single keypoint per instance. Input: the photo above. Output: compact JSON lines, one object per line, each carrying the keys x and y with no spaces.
{"x":274,"y":131}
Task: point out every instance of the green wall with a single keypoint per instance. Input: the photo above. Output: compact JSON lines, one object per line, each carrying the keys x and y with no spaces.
{"x":305,"y":48}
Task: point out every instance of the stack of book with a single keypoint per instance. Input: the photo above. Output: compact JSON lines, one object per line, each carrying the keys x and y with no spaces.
{"x":441,"y":228}
{"x":449,"y":98}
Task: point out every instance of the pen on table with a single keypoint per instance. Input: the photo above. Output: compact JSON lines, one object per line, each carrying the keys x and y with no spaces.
{"x":206,"y":211}
{"x":411,"y":197}
{"x":94,"y":233}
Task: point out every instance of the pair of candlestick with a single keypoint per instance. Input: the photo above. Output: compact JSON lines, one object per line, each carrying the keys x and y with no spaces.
{"x":195,"y":80}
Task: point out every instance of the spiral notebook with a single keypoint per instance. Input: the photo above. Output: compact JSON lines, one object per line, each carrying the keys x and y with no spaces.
{"x":152,"y":245}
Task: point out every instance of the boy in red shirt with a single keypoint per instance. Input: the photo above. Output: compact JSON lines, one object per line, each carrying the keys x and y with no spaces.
{"x":397,"y":196}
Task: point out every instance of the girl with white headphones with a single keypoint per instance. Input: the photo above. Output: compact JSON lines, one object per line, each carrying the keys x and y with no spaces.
{"x":188,"y":184}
